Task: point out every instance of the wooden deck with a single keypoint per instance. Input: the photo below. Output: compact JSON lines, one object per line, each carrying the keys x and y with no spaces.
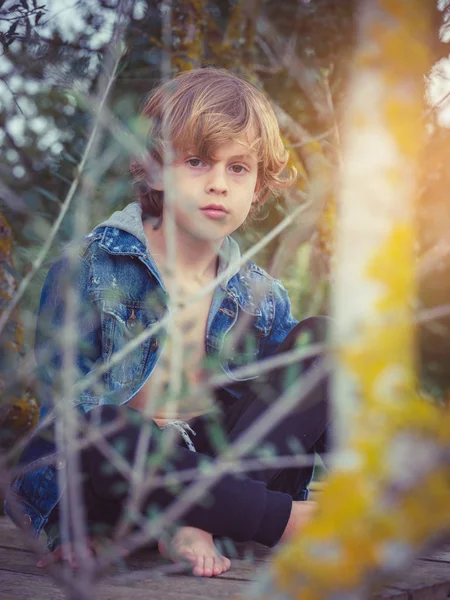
{"x":144,"y":576}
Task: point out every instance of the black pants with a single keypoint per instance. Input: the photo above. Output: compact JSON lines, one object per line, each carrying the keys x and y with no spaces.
{"x":251,"y":506}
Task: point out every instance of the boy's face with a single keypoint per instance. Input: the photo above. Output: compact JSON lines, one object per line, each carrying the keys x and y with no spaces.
{"x":211,"y":199}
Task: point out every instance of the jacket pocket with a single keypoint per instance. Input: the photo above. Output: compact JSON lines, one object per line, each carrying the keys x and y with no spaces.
{"x":122,"y":322}
{"x":33,"y":494}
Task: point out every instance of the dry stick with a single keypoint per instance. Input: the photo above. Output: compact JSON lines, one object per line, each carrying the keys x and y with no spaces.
{"x":318,"y":167}
{"x":131,"y":143}
{"x":91,"y":378}
{"x":279,"y":410}
{"x":311,"y":139}
{"x":174,"y":334}
{"x":70,"y":416}
{"x":72,"y":513}
{"x":316,"y":164}
{"x":143,"y":445}
{"x":142,"y":337}
{"x":28,"y":365}
{"x":428,"y":314}
{"x":95,"y":435}
{"x":117,"y":461}
{"x":221,"y":466}
{"x":215,"y":381}
{"x":64,"y":209}
{"x":243,"y":466}
{"x":337,"y":135}
{"x":62,"y":213}
{"x":72,"y":510}
{"x":432,"y":257}
{"x":64,"y":426}
{"x":304,"y":76}
{"x":201,"y":473}
{"x":34,"y":544}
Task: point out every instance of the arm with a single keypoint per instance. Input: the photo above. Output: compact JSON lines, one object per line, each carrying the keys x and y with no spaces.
{"x":49,"y":342}
{"x":49,"y":346}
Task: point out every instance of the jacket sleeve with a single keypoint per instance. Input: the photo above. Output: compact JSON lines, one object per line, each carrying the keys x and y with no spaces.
{"x":49,"y":346}
{"x":50,"y":343}
{"x":283,"y":321}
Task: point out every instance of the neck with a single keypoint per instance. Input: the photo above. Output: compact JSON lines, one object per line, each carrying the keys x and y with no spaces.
{"x":194,"y":259}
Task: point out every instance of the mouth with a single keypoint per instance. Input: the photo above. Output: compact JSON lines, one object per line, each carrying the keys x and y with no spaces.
{"x":214,"y":211}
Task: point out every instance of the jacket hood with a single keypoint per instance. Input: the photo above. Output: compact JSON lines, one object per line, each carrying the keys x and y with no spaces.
{"x":130,"y":220}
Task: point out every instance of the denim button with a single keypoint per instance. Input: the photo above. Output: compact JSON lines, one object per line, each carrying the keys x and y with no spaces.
{"x":26,"y":521}
{"x":132,"y":320}
{"x":60,"y":463}
{"x":154,"y":344}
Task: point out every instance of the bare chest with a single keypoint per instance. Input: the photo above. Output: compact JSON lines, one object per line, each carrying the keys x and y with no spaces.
{"x":182,"y":359}
{"x":189,"y":328}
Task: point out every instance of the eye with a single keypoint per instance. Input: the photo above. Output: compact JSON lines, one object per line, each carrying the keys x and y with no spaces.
{"x":238,"y":169}
{"x":195,"y":162}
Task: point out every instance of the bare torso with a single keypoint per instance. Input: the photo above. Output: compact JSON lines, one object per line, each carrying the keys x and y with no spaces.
{"x":188,"y":342}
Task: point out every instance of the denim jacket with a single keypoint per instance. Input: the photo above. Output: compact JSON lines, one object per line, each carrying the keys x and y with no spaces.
{"x":120,"y":294}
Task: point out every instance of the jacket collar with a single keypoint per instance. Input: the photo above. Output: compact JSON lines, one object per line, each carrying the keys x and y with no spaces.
{"x":124,"y":234}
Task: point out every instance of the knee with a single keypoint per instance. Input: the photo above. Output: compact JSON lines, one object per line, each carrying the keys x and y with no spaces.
{"x":316,"y":328}
{"x":312,"y":330}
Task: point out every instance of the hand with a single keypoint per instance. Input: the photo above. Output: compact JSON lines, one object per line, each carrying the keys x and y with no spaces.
{"x":67,"y":552}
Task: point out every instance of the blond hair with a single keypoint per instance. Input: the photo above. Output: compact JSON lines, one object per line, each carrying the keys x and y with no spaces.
{"x":198,"y":111}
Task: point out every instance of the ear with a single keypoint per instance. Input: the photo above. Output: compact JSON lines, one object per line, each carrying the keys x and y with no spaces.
{"x":153,"y":173}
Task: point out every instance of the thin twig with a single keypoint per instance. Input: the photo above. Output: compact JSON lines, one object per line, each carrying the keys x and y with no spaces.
{"x":292,"y":397}
{"x":13,"y":96}
{"x":64,"y":208}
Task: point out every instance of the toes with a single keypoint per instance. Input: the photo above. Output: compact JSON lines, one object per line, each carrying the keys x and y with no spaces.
{"x":198,"y":566}
{"x":208,"y":567}
{"x":218,"y":566}
{"x":225,"y":564}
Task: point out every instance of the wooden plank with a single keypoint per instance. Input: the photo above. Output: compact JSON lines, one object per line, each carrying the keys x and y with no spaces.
{"x":32,"y":587}
{"x":135,"y":567}
{"x":390,"y":593}
{"x":425,"y":581}
{"x":175,"y":587}
{"x":442,"y":554}
{"x":18,"y":561}
{"x":142,"y":565}
{"x":137,"y":571}
{"x":429,"y":579}
{"x":422,"y":583}
{"x":249,"y":551}
{"x":29,"y":587}
{"x":12,"y":537}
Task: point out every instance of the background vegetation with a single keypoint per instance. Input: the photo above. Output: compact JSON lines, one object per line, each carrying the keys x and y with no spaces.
{"x":53,"y":57}
{"x":299,"y":52}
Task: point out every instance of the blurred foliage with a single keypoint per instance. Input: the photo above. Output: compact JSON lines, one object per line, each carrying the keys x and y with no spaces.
{"x":299,"y":52}
{"x":433,"y":210}
{"x":46,"y":58}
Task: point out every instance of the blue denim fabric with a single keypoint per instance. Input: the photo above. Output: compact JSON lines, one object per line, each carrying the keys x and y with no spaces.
{"x":121,"y":293}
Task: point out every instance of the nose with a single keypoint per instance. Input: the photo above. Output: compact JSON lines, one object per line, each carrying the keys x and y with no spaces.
{"x":217,"y":182}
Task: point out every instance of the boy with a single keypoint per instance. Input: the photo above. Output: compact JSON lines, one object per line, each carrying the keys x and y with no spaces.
{"x":224,"y":158}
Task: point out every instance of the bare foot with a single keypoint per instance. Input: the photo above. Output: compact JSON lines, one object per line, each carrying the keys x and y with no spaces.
{"x":301,"y":514}
{"x":196,"y":547}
